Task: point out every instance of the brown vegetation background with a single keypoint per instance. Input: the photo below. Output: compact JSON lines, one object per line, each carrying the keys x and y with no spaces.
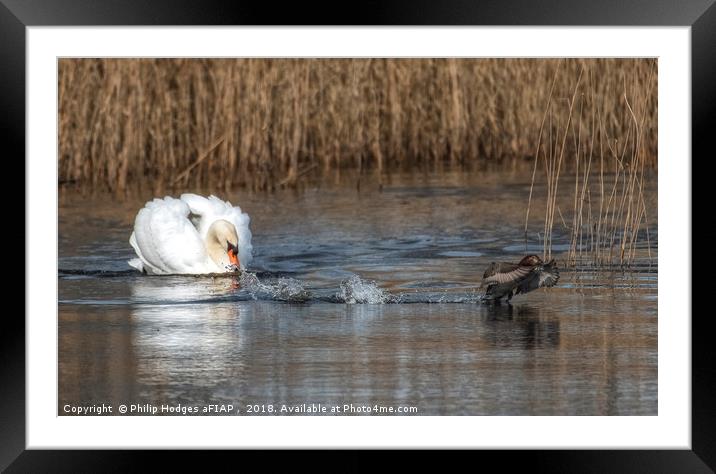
{"x":263,"y":123}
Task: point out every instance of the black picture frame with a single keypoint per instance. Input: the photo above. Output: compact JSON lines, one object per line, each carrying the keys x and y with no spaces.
{"x":700,"y":15}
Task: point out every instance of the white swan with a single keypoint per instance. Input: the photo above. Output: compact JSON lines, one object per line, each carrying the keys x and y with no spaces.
{"x":190,"y":235}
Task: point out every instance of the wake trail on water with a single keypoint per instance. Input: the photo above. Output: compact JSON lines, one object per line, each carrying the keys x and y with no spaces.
{"x":353,"y":290}
{"x":95,"y":273}
{"x":269,"y":286}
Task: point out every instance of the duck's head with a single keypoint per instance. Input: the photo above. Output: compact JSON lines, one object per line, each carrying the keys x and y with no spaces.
{"x":222,"y":242}
{"x":530,"y":261}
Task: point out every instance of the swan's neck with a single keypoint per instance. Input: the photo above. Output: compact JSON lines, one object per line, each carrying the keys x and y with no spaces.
{"x":221,"y":234}
{"x":216,"y":249}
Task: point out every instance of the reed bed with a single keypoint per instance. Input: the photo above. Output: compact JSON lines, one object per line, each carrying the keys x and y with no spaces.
{"x":608,"y":223}
{"x":265,"y":123}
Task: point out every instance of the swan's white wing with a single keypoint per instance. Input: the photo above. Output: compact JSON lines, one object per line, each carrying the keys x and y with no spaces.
{"x":137,"y":263}
{"x":166,"y":241}
{"x":242,"y":220}
{"x":211,"y":209}
{"x":198,"y":206}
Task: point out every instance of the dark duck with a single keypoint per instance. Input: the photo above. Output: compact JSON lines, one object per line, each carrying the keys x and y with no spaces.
{"x":503,"y":279}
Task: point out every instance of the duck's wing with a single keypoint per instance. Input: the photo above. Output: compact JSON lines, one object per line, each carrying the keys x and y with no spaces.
{"x":166,"y":241}
{"x":501,"y":273}
{"x":544,"y":275}
{"x":549,"y":274}
{"x":206,"y":211}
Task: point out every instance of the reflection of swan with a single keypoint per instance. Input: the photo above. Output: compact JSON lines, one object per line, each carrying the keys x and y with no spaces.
{"x":181,"y":289}
{"x":175,"y":331}
{"x":190,"y":235}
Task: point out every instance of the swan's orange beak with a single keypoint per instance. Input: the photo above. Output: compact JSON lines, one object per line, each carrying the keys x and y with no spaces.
{"x":233,"y":257}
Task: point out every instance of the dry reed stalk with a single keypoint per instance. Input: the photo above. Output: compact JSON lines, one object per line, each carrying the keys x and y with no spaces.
{"x":554,"y":178}
{"x":539,"y":144}
{"x":130,"y":120}
{"x":611,"y":234}
{"x":182,"y":176}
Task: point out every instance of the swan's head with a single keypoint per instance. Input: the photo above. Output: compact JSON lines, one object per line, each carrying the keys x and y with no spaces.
{"x":222,"y":243}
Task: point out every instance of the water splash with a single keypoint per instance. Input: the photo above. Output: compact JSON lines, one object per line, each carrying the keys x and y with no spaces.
{"x":355,"y":290}
{"x":290,"y":289}
{"x":284,"y":289}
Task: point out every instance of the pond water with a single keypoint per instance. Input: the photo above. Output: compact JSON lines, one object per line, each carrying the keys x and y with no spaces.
{"x":357,"y":297}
